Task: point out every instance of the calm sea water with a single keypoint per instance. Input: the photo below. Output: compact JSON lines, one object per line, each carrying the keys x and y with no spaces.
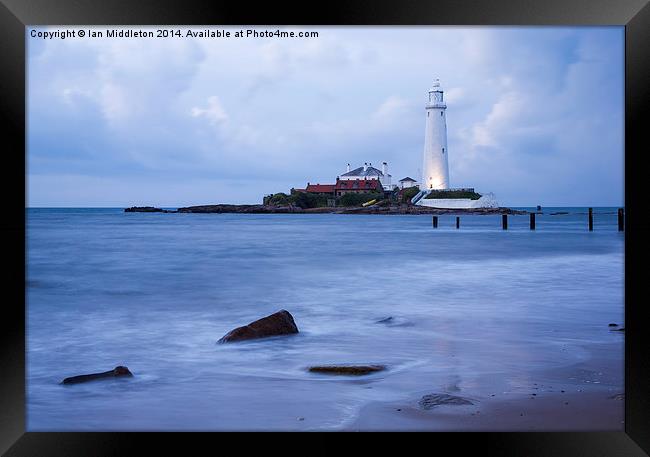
{"x":474,"y":310}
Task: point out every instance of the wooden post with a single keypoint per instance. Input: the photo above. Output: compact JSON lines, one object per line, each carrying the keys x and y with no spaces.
{"x":621,"y":220}
{"x":504,"y":222}
{"x":435,"y":221}
{"x":591,"y":219}
{"x":457,"y":222}
{"x":532,"y":221}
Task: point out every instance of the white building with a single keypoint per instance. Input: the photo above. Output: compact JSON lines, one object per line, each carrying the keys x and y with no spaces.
{"x":407,"y":182}
{"x":435,"y":167}
{"x":369,"y":172}
{"x":486,"y":201}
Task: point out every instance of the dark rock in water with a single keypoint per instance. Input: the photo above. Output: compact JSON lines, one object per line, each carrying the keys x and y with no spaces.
{"x":394,"y":322}
{"x":353,"y":370}
{"x":114,"y":373}
{"x":622,"y":329}
{"x":280,"y":323}
{"x":433,"y":400}
{"x":144,"y":209}
{"x":613,"y":325}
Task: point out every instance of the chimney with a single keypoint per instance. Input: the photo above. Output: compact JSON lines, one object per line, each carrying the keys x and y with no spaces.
{"x":348,"y":168}
{"x":384,"y":169}
{"x":365,"y":166}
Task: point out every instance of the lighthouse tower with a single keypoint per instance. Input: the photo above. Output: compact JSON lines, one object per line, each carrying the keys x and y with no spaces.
{"x":435,"y":169}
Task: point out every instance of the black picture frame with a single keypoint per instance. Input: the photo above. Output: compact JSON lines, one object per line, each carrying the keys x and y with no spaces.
{"x":15,"y":15}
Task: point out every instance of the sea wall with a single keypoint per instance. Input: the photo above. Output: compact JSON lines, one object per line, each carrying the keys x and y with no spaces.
{"x":486,"y":201}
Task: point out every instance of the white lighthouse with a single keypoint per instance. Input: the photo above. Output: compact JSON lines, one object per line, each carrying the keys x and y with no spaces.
{"x":435,"y":168}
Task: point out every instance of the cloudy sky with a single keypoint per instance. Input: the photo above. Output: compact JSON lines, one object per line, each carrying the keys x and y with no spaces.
{"x":535,"y":115}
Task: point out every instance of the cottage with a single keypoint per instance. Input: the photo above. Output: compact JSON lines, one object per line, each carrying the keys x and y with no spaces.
{"x":346,"y":186}
{"x":320,"y":188}
{"x":369,"y":172}
{"x":407,"y":182}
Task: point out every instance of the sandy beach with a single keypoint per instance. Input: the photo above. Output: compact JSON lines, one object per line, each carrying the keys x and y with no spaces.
{"x":581,"y":397}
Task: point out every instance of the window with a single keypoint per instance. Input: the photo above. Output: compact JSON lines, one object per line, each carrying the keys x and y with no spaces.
{"x":428,"y":112}
{"x":441,"y":113}
{"x":443,"y":150}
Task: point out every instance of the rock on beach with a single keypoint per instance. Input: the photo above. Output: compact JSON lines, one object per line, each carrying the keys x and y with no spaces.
{"x":118,"y":371}
{"x":353,"y":370}
{"x":433,"y":400}
{"x":280,"y":323}
{"x":391,"y":321}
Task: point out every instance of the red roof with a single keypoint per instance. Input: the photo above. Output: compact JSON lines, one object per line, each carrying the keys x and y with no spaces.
{"x":321,"y":188}
{"x":358,"y":184}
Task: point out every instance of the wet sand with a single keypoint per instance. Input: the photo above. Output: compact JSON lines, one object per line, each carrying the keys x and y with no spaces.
{"x":576,"y":411}
{"x":587,"y":396}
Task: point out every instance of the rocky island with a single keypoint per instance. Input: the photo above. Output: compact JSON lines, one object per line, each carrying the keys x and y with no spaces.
{"x":146,"y":209}
{"x":377,"y":208}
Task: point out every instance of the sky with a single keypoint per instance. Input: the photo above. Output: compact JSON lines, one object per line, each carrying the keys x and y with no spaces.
{"x":534,"y":115}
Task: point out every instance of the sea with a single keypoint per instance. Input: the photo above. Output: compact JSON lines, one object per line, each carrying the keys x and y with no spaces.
{"x":472,"y":311}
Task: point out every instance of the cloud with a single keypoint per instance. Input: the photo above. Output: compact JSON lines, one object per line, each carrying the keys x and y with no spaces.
{"x":393,"y":107}
{"x":455,"y":96}
{"x":290,"y":111}
{"x":115,"y":103}
{"x":499,"y":122}
{"x":214,"y":113}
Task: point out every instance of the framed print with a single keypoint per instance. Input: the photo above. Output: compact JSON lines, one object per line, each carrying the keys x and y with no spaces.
{"x":405,"y":218}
